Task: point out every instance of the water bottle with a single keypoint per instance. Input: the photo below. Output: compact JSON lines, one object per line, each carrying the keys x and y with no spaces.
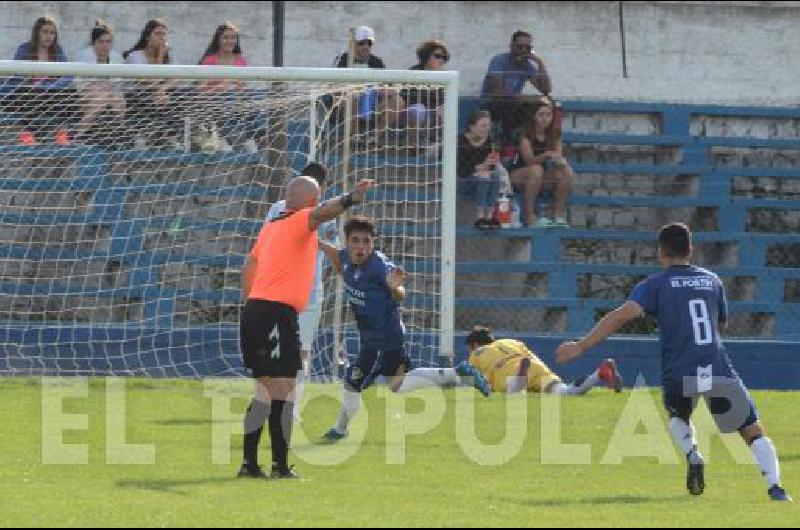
{"x":509,"y":155}
{"x":502,"y":211}
{"x":516,"y":222}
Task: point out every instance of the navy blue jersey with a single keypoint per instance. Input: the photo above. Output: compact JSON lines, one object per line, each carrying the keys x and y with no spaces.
{"x":689,"y":304}
{"x":377,"y":314}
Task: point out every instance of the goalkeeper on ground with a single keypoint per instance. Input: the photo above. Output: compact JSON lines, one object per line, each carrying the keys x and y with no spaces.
{"x":510,"y":367}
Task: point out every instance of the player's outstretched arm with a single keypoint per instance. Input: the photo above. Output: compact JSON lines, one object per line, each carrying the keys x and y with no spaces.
{"x":335,"y":207}
{"x":395,"y":280}
{"x":607,"y":326}
{"x":332,"y":253}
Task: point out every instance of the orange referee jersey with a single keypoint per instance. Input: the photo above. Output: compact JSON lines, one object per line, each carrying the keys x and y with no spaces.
{"x":285,"y":255}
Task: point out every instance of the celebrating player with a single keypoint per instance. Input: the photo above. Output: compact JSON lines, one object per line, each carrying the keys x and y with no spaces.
{"x":374,"y":287}
{"x":691,"y":308}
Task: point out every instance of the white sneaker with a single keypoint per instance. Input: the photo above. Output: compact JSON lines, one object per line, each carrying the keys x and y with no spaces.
{"x":250,"y":146}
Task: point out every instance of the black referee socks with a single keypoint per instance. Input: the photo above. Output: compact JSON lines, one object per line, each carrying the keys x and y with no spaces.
{"x":281,"y":418}
{"x":257,"y":414}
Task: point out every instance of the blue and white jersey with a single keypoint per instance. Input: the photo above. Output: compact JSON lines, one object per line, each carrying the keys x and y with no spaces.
{"x":327,"y":231}
{"x":377,"y":313}
{"x":689,"y":303}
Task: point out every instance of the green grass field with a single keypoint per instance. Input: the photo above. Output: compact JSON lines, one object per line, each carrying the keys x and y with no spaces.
{"x":438,"y":485}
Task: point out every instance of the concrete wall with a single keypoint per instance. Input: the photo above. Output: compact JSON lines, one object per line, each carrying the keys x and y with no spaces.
{"x":720,"y":52}
{"x":191,"y":24}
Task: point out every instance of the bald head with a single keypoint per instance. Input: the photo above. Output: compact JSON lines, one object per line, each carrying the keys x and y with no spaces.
{"x":302,"y":192}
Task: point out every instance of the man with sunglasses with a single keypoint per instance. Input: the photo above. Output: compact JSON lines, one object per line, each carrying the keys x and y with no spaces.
{"x":506,"y":77}
{"x":374,"y":108}
{"x":362,"y":51}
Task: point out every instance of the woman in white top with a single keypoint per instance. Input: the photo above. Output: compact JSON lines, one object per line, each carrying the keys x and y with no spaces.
{"x":152,"y":47}
{"x":149,"y":101}
{"x":100,"y":95}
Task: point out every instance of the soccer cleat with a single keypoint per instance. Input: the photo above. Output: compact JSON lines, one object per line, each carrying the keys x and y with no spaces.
{"x":62,"y":137}
{"x":289,"y":473}
{"x":334,"y":436}
{"x":478,"y":380}
{"x":27,"y":138}
{"x":251,"y":472}
{"x":777,"y":493}
{"x":610,"y":375}
{"x":695,"y":476}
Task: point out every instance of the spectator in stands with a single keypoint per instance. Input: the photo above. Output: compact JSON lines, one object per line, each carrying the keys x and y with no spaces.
{"x":382,"y":107}
{"x":424,"y":107}
{"x":505,"y":79}
{"x":224,"y":97}
{"x":99,"y":95}
{"x":542,"y":162}
{"x":480,"y":173}
{"x":149,"y":101}
{"x":364,"y":38}
{"x":38,"y":101}
{"x":224,"y":49}
{"x":152,"y":46}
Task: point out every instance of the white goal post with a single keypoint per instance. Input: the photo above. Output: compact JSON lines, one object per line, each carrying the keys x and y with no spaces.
{"x":132,"y":192}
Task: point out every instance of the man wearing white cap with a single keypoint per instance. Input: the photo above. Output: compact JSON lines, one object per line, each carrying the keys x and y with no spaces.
{"x":378,"y":109}
{"x":362,"y":57}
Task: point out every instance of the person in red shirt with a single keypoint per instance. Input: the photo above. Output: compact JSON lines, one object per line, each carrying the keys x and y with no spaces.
{"x":276,"y":284}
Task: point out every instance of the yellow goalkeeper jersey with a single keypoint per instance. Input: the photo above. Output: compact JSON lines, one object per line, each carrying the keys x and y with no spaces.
{"x":502,"y":358}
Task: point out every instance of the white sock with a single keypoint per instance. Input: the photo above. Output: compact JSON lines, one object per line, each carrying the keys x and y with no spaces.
{"x":428,"y":377}
{"x":516,"y":384}
{"x":767,"y":459}
{"x":299,"y":389}
{"x":351,"y":402}
{"x":587,"y":384}
{"x":560,"y":389}
{"x":577,"y":388}
{"x":683,"y":434}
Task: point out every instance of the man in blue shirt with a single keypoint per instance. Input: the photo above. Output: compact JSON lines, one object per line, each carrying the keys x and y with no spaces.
{"x":374,"y":287}
{"x":507,"y":72}
{"x":691,"y":308}
{"x":505,"y":79}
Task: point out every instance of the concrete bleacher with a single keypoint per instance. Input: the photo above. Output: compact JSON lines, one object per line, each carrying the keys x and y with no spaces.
{"x":731,"y":173}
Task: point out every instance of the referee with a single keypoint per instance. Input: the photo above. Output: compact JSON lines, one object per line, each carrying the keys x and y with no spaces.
{"x":276,"y":283}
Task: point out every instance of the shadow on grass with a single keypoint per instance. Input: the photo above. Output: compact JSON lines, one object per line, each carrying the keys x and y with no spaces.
{"x":789,"y":458}
{"x":593,"y":501}
{"x":189,"y":422}
{"x":171,"y":486}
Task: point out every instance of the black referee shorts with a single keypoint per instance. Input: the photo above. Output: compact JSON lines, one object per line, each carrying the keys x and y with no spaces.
{"x":270,"y":339}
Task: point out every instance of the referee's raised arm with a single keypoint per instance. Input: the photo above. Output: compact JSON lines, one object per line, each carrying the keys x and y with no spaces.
{"x":334,"y":207}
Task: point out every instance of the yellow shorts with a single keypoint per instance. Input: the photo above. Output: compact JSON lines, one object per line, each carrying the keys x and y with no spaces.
{"x":539,"y":375}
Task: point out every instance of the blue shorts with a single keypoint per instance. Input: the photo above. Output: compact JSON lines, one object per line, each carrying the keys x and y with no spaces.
{"x":728,"y":401}
{"x":372,"y":363}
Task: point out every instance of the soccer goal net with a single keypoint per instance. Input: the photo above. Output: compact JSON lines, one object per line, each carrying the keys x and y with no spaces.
{"x":132,"y":194}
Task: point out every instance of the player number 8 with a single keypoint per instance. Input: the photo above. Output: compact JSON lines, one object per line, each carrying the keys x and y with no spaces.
{"x":700,"y":322}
